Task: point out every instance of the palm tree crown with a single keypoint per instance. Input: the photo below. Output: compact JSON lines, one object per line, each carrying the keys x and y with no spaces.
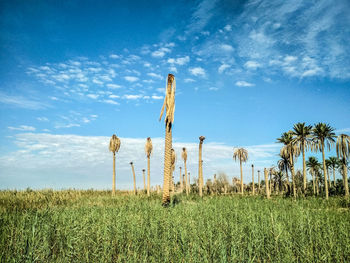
{"x":302,"y":134}
{"x":323,"y":135}
{"x":343,"y":147}
{"x":240,"y":154}
{"x":114,"y":144}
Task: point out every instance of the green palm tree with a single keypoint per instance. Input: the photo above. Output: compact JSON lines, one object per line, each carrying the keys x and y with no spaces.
{"x":284,"y":165}
{"x":313,"y":166}
{"x":114,"y":145}
{"x":343,"y":153}
{"x":240,"y":154}
{"x":302,"y":138}
{"x":279,"y":180}
{"x":323,"y":136}
{"x":289,"y":150}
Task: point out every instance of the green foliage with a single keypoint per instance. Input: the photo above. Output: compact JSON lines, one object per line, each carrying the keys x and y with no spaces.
{"x":92,"y":226}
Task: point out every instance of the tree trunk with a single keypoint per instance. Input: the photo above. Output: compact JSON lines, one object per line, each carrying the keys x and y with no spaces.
{"x":253,"y":179}
{"x":144,"y":180}
{"x":181,"y":182}
{"x":240,"y":163}
{"x":167,"y":165}
{"x":133,"y":173}
{"x":200,"y":179}
{"x":333,"y":176}
{"x":317,"y":186}
{"x":189,"y":183}
{"x":148,"y":175}
{"x":304,"y":168}
{"x":258,"y":182}
{"x":293,"y":175}
{"x":113,"y":185}
{"x":186,"y":185}
{"x":325,"y":172}
{"x":345,"y":178}
{"x":270,"y":182}
{"x":313,"y":182}
{"x":267,"y":183}
{"x":288,"y":184}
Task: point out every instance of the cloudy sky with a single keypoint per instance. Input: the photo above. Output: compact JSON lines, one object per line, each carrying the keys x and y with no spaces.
{"x":74,"y":72}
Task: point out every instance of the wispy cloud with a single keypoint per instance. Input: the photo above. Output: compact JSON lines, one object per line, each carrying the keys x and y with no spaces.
{"x":22,"y":102}
{"x":131,"y":78}
{"x":197,"y":71}
{"x":22,"y":128}
{"x":242,"y":83}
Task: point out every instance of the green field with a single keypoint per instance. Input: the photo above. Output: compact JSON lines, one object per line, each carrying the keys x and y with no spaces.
{"x":92,"y":226}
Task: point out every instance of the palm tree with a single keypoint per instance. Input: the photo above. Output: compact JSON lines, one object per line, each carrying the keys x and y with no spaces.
{"x":181,"y":181}
{"x":333,"y":163}
{"x":184,"y":157}
{"x":253,"y":178}
{"x":267,"y":183}
{"x":279,"y":180}
{"x":133,"y":173}
{"x":343,"y":153}
{"x":258,"y":181}
{"x":283,"y":164}
{"x":313,"y":166}
{"x":200,"y":166}
{"x":323,"y":135}
{"x":169,"y":105}
{"x":144,"y":181}
{"x":114,"y":145}
{"x":289,"y":150}
{"x":302,"y":137}
{"x":240,"y":154}
{"x":148,"y":150}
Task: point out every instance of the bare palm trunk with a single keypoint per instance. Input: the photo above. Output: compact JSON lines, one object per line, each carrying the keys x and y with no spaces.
{"x":325,"y":172}
{"x":240,"y":163}
{"x":253,"y":179}
{"x":317,"y":186}
{"x":345,"y":178}
{"x":133,"y":173}
{"x":270,"y":182}
{"x":200,"y":175}
{"x":313,"y":182}
{"x":259,"y":181}
{"x":267,"y":183}
{"x":333,"y":176}
{"x":113,"y":185}
{"x":287,"y":176}
{"x":293,"y":175}
{"x":144,"y":180}
{"x":187,"y":186}
{"x":167,"y":165}
{"x":189,"y":183}
{"x":304,"y":168}
{"x":148,"y":175}
{"x":181,"y":182}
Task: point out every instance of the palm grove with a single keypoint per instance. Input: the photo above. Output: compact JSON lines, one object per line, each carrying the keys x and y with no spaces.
{"x":296,"y":143}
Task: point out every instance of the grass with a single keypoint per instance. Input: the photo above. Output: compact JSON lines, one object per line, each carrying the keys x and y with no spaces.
{"x":91,"y":226}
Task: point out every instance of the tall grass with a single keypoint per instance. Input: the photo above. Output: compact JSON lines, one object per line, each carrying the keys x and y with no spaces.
{"x":92,"y":226}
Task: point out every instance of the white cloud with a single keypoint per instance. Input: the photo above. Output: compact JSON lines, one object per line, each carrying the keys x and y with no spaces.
{"x":92,"y":96}
{"x":113,"y":86}
{"x":252,"y":65}
{"x":197,"y":71}
{"x":22,"y":128}
{"x":42,"y":119}
{"x":188,"y":80}
{"x":223,"y":67}
{"x":132,"y":97}
{"x":114,"y":56}
{"x":173,"y":69}
{"x":131,"y":78}
{"x":226,"y":48}
{"x":21,"y":102}
{"x":161,"y":52}
{"x":243,"y":83}
{"x":110,"y":101}
{"x":154,"y":75}
{"x":114,"y":96}
{"x":157,"y":97}
{"x":213,"y":88}
{"x":179,"y":61}
{"x":228,"y":28}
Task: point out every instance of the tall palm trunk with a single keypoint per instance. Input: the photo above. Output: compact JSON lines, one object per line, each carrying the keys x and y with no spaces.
{"x":144,"y":180}
{"x":113,"y":185}
{"x":267,"y":183}
{"x":317,"y":186}
{"x":253,"y":179}
{"x":200,"y":174}
{"x":133,"y":173}
{"x":270,"y":182}
{"x":181,"y":182}
{"x":258,"y":181}
{"x":287,"y":176}
{"x":333,"y":176}
{"x":167,"y":165}
{"x":189,"y":183}
{"x":345,"y":178}
{"x":313,"y":182}
{"x":148,"y":175}
{"x":293,"y":175}
{"x":325,"y":171}
{"x":242,"y":191}
{"x":186,"y":185}
{"x":304,"y":167}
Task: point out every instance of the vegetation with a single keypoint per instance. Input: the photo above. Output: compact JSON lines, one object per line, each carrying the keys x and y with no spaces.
{"x":91,"y":226}
{"x":114,"y":145}
{"x":241,"y":154}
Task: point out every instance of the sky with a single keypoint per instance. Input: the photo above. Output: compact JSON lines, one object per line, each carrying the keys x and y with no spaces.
{"x":72,"y":73}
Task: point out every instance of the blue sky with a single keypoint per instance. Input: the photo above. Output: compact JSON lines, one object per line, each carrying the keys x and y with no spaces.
{"x":75,"y":72}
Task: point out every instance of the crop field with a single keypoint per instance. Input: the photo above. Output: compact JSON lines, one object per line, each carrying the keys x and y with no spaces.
{"x":92,"y":226}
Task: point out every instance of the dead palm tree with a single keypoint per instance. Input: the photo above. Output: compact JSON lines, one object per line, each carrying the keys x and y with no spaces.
{"x":302,"y":138}
{"x":144,"y":180}
{"x":313,"y":166}
{"x":200,"y":166}
{"x":258,"y":181}
{"x":173,"y":161}
{"x":148,"y":151}
{"x":133,"y":173}
{"x":181,"y":181}
{"x":266,"y":173}
{"x":114,"y":145}
{"x":184,"y":157}
{"x":253,"y":179}
{"x":169,"y":106}
{"x":323,"y":136}
{"x":240,"y":154}
{"x":289,"y":150}
{"x":343,"y":153}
